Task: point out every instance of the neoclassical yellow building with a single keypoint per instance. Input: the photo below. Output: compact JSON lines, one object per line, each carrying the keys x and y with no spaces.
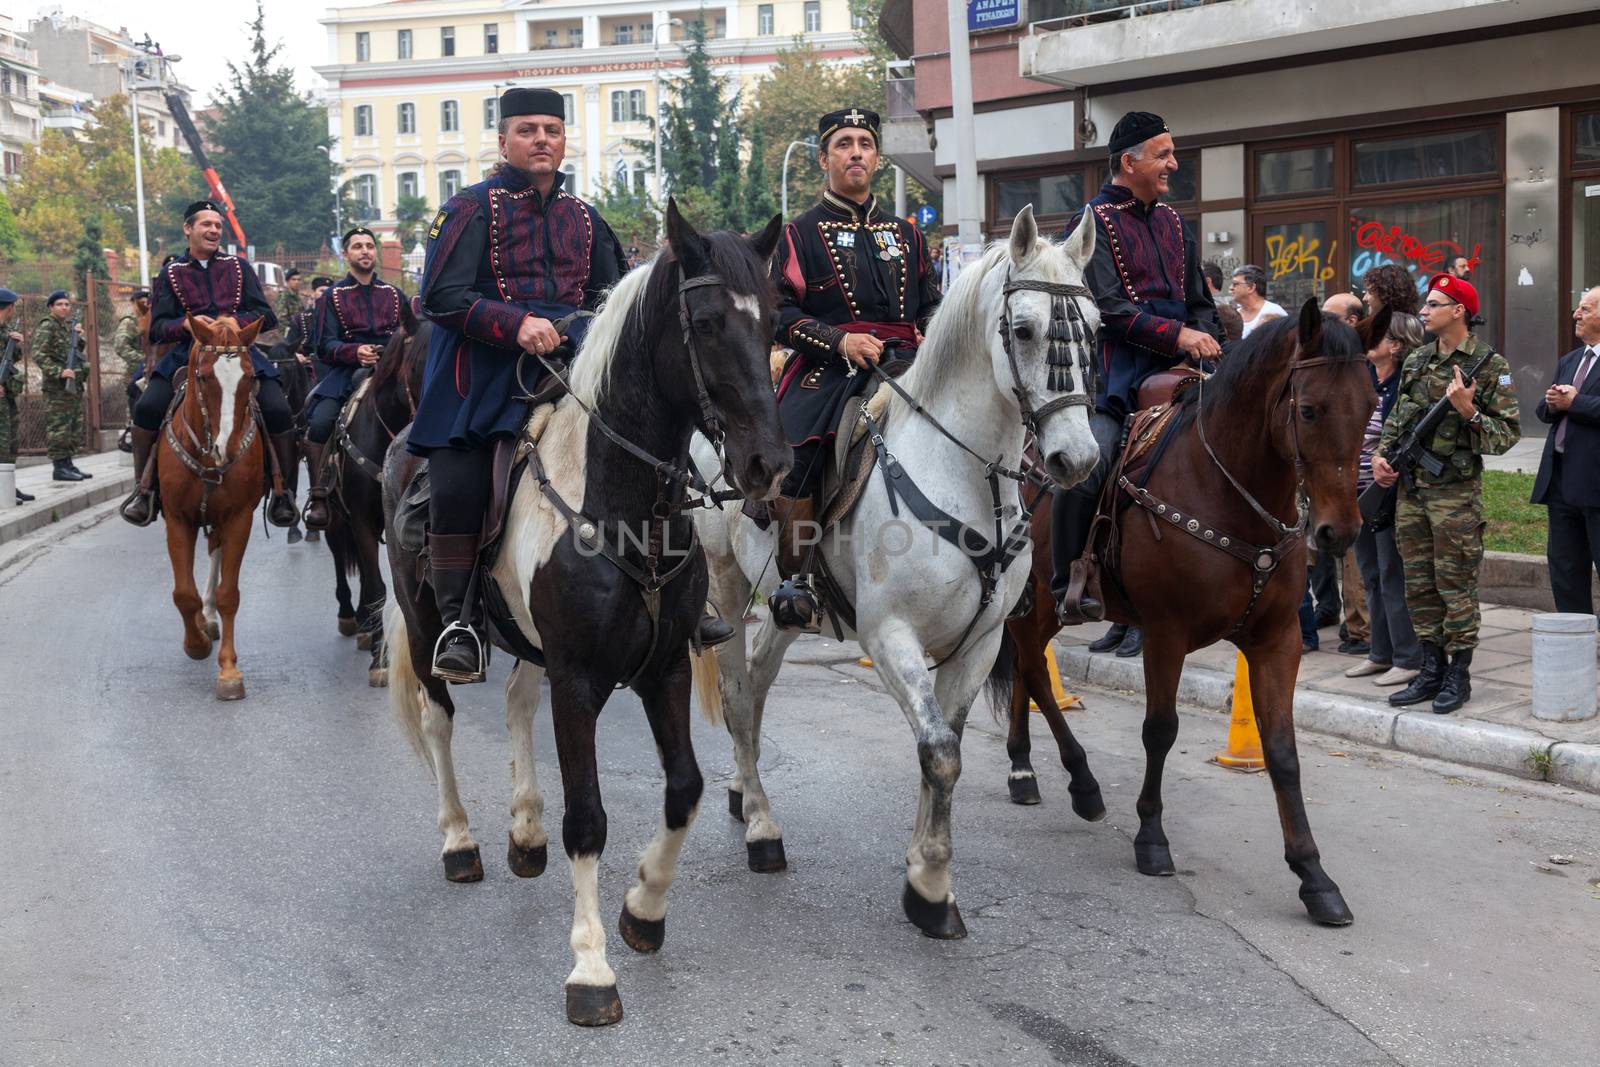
{"x":413,"y":83}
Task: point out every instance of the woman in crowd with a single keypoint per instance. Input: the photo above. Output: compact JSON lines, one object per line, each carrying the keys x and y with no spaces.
{"x":1391,"y":286}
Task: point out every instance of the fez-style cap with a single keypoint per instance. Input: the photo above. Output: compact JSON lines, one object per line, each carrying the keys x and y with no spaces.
{"x":7,"y":297}
{"x":198,"y":206}
{"x":532,"y":102}
{"x":140,"y":294}
{"x":59,"y":294}
{"x":848,"y":118}
{"x":292,"y":272}
{"x":357,"y":231}
{"x":320,"y":280}
{"x":1463,"y":293}
{"x":1134,"y":129}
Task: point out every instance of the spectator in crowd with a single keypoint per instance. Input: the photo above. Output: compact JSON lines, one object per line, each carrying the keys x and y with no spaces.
{"x":10,"y":386}
{"x":1249,"y":292}
{"x":1569,"y":474}
{"x":1355,"y":631}
{"x":1232,"y":324}
{"x":1213,"y":276}
{"x":1346,"y":306}
{"x":1391,"y":286}
{"x":1395,"y":656}
{"x":1461,"y":267}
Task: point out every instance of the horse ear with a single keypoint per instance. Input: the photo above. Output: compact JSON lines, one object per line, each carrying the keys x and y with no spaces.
{"x":408,"y":317}
{"x":1024,"y":235}
{"x":1080,"y":242}
{"x":687,"y":244}
{"x":247,"y":336}
{"x":1310,"y":325}
{"x":766,"y":242}
{"x":1374,"y":329}
{"x":197,"y":330}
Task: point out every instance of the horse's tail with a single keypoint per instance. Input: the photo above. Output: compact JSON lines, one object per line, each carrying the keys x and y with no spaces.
{"x":707,"y":671}
{"x":997,"y":687}
{"x":405,"y":688}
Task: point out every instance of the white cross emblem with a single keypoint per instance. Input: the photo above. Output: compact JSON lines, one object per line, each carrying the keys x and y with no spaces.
{"x":855,"y":118}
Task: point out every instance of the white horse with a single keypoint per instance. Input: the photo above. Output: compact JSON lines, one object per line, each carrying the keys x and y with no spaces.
{"x":915,"y":595}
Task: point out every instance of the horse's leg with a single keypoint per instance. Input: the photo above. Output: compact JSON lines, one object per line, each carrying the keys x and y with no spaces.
{"x":1272,"y":676}
{"x":1022,"y":782}
{"x":1163,"y":664}
{"x":373,"y":593}
{"x":462,"y":862}
{"x":897,"y":654}
{"x":744,"y":699}
{"x":338,"y":539}
{"x":214,"y":549}
{"x":575,"y":703}
{"x":185,"y":596}
{"x":528,"y":850}
{"x":232,"y":538}
{"x":1083,"y":787}
{"x":643,"y":923}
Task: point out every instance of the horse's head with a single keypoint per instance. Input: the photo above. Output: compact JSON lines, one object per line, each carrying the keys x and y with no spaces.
{"x":727,"y":312}
{"x":220,"y":379}
{"x":1041,"y":341}
{"x":1322,"y":418}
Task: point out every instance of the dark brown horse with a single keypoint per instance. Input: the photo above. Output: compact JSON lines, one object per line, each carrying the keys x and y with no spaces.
{"x":1212,"y":546}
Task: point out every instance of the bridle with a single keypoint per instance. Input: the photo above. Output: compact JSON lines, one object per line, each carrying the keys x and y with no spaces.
{"x":1070,"y":340}
{"x":198,"y":462}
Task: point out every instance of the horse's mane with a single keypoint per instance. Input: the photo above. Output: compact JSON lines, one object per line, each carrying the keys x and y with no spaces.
{"x":392,"y":362}
{"x":1251,"y":356}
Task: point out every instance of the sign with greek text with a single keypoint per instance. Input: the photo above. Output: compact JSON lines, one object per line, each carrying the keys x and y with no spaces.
{"x":993,"y":15}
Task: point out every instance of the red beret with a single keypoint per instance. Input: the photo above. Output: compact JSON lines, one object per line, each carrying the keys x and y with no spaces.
{"x":1461,"y":292}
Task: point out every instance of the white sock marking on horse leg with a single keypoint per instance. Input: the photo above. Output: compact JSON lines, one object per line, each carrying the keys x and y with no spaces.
{"x":748,"y":304}
{"x":1017,"y":776}
{"x":765,"y":661}
{"x":658,"y":865}
{"x":588,"y":932}
{"x":211,"y":584}
{"x":527,"y":803}
{"x":436,"y":731}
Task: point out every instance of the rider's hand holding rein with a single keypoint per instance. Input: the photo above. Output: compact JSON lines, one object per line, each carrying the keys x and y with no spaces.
{"x":862,"y":349}
{"x":367,"y":354}
{"x":538,"y":336}
{"x":1199,"y":344}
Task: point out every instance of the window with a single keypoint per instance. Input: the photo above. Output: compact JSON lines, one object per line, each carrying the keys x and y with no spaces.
{"x":161,"y":127}
{"x":1586,"y":138}
{"x":410,"y":184}
{"x":364,"y":120}
{"x":813,"y":16}
{"x":764,"y":21}
{"x":1295,"y":171}
{"x":408,"y":119}
{"x":1424,"y":236}
{"x":403,"y":44}
{"x":720,"y":28}
{"x":627,"y":105}
{"x":1050,"y":194}
{"x":449,"y":184}
{"x":447,"y":41}
{"x":13,"y":164}
{"x":551,"y":38}
{"x":641,"y":176}
{"x":569,"y":109}
{"x":575,"y":37}
{"x":491,"y":112}
{"x":364,"y":191}
{"x":571,"y":172}
{"x":491,"y":38}
{"x":622,"y":33}
{"x":858,"y":22}
{"x":645,"y":32}
{"x":450,"y":117}
{"x":1425,"y":157}
{"x":363,"y":47}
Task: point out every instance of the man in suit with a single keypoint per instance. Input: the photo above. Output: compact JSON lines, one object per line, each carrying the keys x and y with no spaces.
{"x":1569,"y":474}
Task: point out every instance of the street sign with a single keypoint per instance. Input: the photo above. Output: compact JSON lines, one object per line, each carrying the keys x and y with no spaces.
{"x":926,"y":215}
{"x":993,"y":15}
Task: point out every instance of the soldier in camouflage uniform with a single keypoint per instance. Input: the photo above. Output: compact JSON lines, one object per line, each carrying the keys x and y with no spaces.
{"x":289,"y":301}
{"x":63,"y":420}
{"x":1438,"y":527}
{"x":10,"y":425}
{"x":127,"y":341}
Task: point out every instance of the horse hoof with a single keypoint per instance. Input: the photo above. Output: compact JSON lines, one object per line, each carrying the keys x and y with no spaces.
{"x":1089,"y":806}
{"x":1327,"y":907}
{"x":736,"y":804}
{"x":364,"y":641}
{"x":1154,"y":860}
{"x":1024,"y":790}
{"x":593,"y":1005}
{"x":941,"y":921}
{"x":214,"y":631}
{"x":642,"y":935}
{"x":463,"y":866}
{"x":200,"y":651}
{"x":766,"y":857}
{"x":348,"y":626}
{"x":526,"y":862}
{"x":230,"y":689}
{"x":378,"y":678}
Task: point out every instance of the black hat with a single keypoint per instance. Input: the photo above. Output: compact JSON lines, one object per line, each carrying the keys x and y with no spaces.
{"x":356,"y":231}
{"x":320,"y":280}
{"x":7,"y":297}
{"x":140,"y":294}
{"x":198,"y":206}
{"x":59,"y":294}
{"x":1133,"y":130}
{"x":854,"y":117}
{"x":532,"y":102}
{"x":292,"y":272}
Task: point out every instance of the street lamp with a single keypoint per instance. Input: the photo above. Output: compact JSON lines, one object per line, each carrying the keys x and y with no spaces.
{"x":655,"y":88}
{"x":784,"y":182}
{"x":141,"y":76}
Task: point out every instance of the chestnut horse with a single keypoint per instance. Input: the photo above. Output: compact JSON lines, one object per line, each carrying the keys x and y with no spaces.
{"x":1212,"y":546}
{"x":210,"y":464}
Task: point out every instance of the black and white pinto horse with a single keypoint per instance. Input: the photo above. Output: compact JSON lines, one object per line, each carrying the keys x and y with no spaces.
{"x":682,"y":342}
{"x":1009,"y":350}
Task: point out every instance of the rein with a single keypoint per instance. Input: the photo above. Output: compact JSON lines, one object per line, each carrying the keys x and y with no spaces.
{"x":211,"y":475}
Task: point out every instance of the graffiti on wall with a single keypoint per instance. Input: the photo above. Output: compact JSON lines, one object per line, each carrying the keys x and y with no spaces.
{"x":1299,"y":258}
{"x":1396,"y":242}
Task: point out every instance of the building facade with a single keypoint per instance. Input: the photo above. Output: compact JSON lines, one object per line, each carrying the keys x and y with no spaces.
{"x":413,"y":84}
{"x":1315,"y":140}
{"x":20,"y":119}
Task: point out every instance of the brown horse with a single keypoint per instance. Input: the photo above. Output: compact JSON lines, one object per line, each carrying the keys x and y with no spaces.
{"x":1212,"y":546}
{"x":210,"y":464}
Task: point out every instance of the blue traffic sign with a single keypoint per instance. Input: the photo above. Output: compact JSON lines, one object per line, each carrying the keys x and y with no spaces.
{"x":993,"y":14}
{"x":926,"y":215}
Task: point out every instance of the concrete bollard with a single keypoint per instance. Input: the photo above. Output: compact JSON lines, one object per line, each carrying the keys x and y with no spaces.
{"x":1563,"y":667}
{"x":8,"y":485}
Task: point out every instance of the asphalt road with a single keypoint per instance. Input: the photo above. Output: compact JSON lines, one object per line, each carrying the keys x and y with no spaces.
{"x":189,"y":882}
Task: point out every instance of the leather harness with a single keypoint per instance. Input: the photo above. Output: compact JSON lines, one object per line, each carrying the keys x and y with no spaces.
{"x":211,"y":475}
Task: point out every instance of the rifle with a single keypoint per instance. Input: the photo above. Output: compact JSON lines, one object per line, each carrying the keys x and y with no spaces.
{"x":8,"y":360}
{"x":1377,"y":501}
{"x":75,"y":353}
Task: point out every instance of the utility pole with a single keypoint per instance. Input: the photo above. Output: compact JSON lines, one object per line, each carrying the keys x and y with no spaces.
{"x":655,"y":79}
{"x":969,"y":228}
{"x":138,"y":189}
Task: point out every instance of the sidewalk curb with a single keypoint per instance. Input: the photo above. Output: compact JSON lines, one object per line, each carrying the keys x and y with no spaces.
{"x":1491,"y":746}
{"x":56,"y":506}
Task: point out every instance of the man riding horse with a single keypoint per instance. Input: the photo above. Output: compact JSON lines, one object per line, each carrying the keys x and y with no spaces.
{"x":852,"y":279}
{"x":1155,"y":312}
{"x":207,"y":284}
{"x":509,"y":259}
{"x":355,"y":319}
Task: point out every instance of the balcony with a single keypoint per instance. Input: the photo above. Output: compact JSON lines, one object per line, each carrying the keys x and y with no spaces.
{"x":1094,"y":43}
{"x":67,"y":119}
{"x":28,"y":57}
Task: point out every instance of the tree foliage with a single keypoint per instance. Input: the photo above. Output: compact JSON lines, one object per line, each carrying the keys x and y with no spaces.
{"x":410,"y":215}
{"x":11,"y":243}
{"x":701,"y":143}
{"x":630,"y":213}
{"x":89,"y":257}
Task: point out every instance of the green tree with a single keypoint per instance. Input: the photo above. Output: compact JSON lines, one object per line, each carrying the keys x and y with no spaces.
{"x":701,"y":137}
{"x":759,"y":206}
{"x":730,"y":183}
{"x":411,"y":213}
{"x":89,"y":257}
{"x":267,"y":137}
{"x":11,"y":242}
{"x":630,"y":213}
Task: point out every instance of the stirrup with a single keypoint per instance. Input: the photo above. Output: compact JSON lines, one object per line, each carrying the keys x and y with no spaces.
{"x":317,"y":495}
{"x":794,"y":606}
{"x":459,"y":677}
{"x":149,"y":496}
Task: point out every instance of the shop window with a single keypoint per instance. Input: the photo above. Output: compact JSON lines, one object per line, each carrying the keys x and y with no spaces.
{"x":1427,"y":157}
{"x":1295,"y":171}
{"x":1585,"y":236}
{"x":1050,"y":194}
{"x":1426,"y":236}
{"x":1586,"y":138}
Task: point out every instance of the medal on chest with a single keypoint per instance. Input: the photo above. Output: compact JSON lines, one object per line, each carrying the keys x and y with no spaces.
{"x":888,"y":245}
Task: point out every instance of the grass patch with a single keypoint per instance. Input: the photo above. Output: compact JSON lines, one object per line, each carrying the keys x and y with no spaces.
{"x":1514,"y":524}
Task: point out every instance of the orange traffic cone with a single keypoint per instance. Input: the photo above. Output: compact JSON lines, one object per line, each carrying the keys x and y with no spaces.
{"x":864,"y":661}
{"x":1244,"y":740}
{"x":1064,"y":699}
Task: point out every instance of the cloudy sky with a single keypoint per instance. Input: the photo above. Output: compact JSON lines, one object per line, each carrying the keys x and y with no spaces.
{"x":207,"y":42}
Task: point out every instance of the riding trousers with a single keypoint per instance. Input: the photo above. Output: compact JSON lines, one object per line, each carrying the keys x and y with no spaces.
{"x":152,"y":406}
{"x":458,"y":483}
{"x":1072,"y":510}
{"x":322,"y":412}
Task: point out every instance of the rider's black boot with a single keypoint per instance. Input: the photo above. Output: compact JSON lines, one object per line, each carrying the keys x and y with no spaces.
{"x":793,"y":605}
{"x":458,"y":654}
{"x":712,"y":631}
{"x":316,"y":514}
{"x":140,"y":508}
{"x":282,"y":511}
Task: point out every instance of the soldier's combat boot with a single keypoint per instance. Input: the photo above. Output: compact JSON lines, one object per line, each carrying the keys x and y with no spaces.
{"x":1426,"y":685}
{"x":140,"y":507}
{"x":1457,"y":687}
{"x":793,"y":604}
{"x":72,"y":463}
{"x":282,"y":512}
{"x":458,"y":655}
{"x":63,"y":472}
{"x":25,"y":498}
{"x":316,"y":515}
